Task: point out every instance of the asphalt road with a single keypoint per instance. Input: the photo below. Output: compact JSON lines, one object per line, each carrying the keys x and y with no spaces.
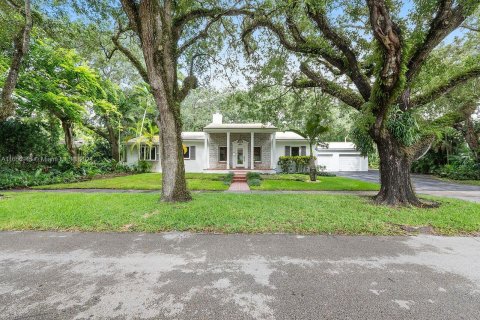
{"x":47,"y":275}
{"x":425,"y":184}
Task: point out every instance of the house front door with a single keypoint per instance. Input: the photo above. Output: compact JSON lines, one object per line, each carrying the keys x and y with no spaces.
{"x":240,"y":155}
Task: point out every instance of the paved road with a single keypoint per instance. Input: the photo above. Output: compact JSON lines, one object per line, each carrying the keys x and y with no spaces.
{"x":46,"y":275}
{"x":426,"y":185}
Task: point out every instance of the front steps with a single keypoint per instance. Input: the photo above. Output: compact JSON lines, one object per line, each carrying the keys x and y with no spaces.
{"x":239,"y":182}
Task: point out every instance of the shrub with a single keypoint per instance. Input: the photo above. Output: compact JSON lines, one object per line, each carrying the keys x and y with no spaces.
{"x":294,"y":164}
{"x":321,"y":172}
{"x":227,"y":180}
{"x":21,"y":174}
{"x":143,"y":166}
{"x":253,"y":175}
{"x":254,"y":182}
{"x":464,"y":170}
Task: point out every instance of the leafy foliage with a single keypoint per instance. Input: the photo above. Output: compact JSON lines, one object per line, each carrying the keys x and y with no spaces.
{"x":19,"y":174}
{"x":294,"y":164}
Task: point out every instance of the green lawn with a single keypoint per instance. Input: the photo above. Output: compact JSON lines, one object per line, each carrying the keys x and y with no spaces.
{"x":301,"y":182}
{"x":230,"y":213}
{"x":214,"y":182}
{"x":146,"y":181}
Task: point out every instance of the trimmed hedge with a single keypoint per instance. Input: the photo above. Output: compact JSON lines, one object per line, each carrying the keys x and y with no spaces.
{"x":294,"y":164}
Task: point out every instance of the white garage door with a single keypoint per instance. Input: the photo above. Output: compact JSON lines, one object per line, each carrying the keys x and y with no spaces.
{"x":350,"y":162}
{"x":326,"y":160}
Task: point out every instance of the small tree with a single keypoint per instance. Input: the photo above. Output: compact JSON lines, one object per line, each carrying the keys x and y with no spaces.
{"x":314,"y":128}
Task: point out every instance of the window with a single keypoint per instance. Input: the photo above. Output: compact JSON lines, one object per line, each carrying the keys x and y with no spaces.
{"x":222,"y":154}
{"x":295,"y":151}
{"x":186,"y":154}
{"x":148,"y":153}
{"x":257,"y":154}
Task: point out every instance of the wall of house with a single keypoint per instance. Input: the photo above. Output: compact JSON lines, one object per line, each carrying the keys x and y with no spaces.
{"x":264,"y":141}
{"x":280,"y":149}
{"x":217,"y":140}
{"x":191,"y":165}
{"x":281,"y":144}
{"x":336,"y":160}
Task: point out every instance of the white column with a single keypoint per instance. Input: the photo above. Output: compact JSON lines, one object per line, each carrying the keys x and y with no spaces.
{"x":228,"y":150}
{"x":252,"y":141}
{"x":273,"y":152}
{"x":207,"y":153}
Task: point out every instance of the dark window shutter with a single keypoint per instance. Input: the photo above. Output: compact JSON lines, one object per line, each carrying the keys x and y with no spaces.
{"x":303,"y":151}
{"x":192,"y":153}
{"x":287,"y":151}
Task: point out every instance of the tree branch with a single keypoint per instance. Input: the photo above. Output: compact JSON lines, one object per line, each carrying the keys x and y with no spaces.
{"x":181,"y":21}
{"x":134,"y":60}
{"x":446,"y":20}
{"x":200,"y":35}
{"x":95,"y":129}
{"x":387,"y":34}
{"x":419,"y":149}
{"x":445,"y":88}
{"x":131,"y":10}
{"x":316,"y":80}
{"x":466,"y":26}
{"x":299,"y":47}
{"x":340,"y":42}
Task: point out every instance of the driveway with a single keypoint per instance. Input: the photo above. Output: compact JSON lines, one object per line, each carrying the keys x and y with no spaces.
{"x":425,"y":184}
{"x":47,"y":275}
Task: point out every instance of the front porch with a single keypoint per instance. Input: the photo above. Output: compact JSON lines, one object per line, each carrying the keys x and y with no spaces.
{"x":240,"y":151}
{"x":228,"y":149}
{"x":261,"y":171}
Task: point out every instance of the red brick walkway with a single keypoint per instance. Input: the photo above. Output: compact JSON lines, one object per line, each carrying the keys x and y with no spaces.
{"x":239,"y":182}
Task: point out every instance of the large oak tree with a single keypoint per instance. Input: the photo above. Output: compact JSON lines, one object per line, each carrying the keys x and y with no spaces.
{"x":167,"y":30}
{"x":371,"y":56}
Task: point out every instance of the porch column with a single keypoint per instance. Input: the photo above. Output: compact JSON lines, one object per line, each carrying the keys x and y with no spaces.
{"x":252,"y":141}
{"x":207,"y":156}
{"x":228,"y":150}
{"x":273,"y":152}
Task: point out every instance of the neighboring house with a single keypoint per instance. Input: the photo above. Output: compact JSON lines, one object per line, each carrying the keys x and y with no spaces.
{"x":252,"y":146}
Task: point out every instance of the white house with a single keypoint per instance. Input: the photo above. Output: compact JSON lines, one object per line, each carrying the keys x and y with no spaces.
{"x":251,"y":146}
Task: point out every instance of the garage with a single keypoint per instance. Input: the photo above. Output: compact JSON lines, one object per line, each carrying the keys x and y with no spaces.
{"x":341,"y":156}
{"x":349,"y":162}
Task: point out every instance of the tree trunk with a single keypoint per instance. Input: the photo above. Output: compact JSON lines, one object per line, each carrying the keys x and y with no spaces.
{"x":69,"y":142}
{"x":395,"y":163}
{"x":472,"y":138}
{"x":174,"y":185}
{"x":21,"y":42}
{"x":154,"y":24}
{"x":312,"y":166}
{"x":113,"y":141}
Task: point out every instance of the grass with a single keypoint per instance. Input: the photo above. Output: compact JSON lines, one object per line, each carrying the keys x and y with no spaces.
{"x":146,"y":181}
{"x":214,"y":182}
{"x":228,"y":213}
{"x":301,"y":182}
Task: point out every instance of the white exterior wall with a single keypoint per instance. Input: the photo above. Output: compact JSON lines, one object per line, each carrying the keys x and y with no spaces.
{"x":341,"y":160}
{"x":339,"y":157}
{"x":282,"y":143}
{"x":197,"y":165}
